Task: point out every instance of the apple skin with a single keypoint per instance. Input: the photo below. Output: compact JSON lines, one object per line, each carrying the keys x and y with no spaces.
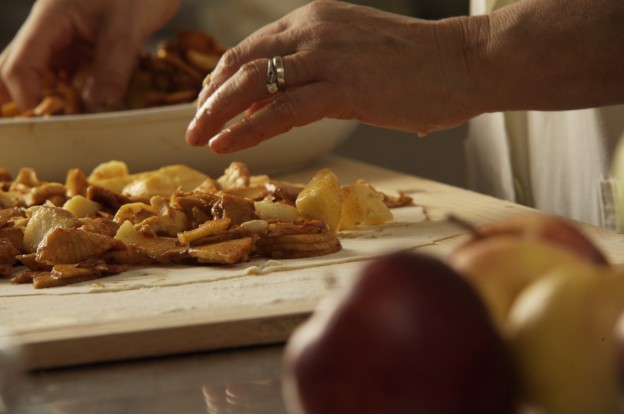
{"x":500,"y":267}
{"x":562,"y":332}
{"x":541,"y":226}
{"x":408,"y":336}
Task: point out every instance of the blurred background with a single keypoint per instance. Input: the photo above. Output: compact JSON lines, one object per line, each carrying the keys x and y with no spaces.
{"x":438,"y":156}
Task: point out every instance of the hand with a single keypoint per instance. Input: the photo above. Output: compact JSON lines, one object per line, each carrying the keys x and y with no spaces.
{"x":61,"y":34}
{"x":340,"y":61}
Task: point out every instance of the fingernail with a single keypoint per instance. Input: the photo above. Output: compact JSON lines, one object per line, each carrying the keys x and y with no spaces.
{"x":192,"y":124}
{"x":195,"y":136}
{"x":214,"y":144}
{"x":191,"y":136}
{"x":219,"y":143}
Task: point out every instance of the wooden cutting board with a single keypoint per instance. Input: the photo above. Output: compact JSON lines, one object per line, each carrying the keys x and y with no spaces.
{"x":178,"y":310}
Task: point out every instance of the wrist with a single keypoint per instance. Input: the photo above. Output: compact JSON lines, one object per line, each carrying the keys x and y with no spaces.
{"x":523,"y":58}
{"x":462,"y":47}
{"x":497,"y":55}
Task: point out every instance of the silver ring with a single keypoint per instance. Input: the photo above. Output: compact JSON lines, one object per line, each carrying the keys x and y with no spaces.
{"x":276,"y":80}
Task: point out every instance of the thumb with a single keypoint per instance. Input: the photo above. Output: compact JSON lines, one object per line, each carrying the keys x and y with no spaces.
{"x":5,"y":95}
{"x":115,"y":56}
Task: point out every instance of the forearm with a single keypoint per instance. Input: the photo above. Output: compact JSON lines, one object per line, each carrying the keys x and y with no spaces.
{"x":411,"y":74}
{"x":548,"y":55}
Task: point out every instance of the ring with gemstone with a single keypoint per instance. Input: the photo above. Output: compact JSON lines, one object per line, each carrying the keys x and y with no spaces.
{"x":276,"y":80}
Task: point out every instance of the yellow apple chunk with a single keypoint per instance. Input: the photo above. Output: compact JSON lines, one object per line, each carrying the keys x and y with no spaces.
{"x":363,"y":205}
{"x":321,"y":199}
{"x":81,"y":207}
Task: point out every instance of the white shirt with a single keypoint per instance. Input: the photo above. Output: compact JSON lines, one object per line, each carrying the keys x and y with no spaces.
{"x":558,"y":162}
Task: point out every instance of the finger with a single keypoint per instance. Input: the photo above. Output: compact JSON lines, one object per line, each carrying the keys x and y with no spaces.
{"x":216,"y":110}
{"x":282,"y":37}
{"x":73,"y":57}
{"x":113,"y":62}
{"x":297,"y":107}
{"x":203,"y":94}
{"x":4,"y":92}
{"x":264,"y":44}
{"x":239,"y":93}
{"x":26,"y":61}
{"x":5,"y":97}
{"x":22,"y":76}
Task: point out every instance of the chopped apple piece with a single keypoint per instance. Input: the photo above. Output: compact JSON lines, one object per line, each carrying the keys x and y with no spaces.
{"x":362,"y":204}
{"x":321,"y":199}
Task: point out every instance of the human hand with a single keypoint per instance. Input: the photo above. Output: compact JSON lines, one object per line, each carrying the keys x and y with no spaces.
{"x":62,"y":34}
{"x":340,"y":61}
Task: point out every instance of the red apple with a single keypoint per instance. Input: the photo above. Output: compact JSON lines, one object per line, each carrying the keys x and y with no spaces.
{"x":500,"y":267}
{"x":541,"y":226}
{"x":409,"y":336}
{"x":502,"y":258}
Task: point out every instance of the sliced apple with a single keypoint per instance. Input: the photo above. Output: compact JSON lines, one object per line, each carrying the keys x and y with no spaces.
{"x":321,"y":199}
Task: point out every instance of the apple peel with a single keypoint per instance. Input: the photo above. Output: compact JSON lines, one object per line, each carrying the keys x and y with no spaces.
{"x":562,"y":334}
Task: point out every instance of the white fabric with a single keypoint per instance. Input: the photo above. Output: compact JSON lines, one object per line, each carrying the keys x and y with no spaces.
{"x":558,"y":162}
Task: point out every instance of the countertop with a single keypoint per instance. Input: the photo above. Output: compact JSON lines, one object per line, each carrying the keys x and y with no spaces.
{"x":244,"y":380}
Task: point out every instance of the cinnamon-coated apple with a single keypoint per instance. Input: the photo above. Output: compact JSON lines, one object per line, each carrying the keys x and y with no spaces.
{"x":499,"y":267}
{"x":408,"y":336}
{"x":541,"y":226}
{"x":562,"y":333}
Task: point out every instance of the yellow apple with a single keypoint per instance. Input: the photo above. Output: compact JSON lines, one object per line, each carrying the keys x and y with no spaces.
{"x":561,"y":330}
{"x":500,"y":267}
{"x":541,"y":226}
